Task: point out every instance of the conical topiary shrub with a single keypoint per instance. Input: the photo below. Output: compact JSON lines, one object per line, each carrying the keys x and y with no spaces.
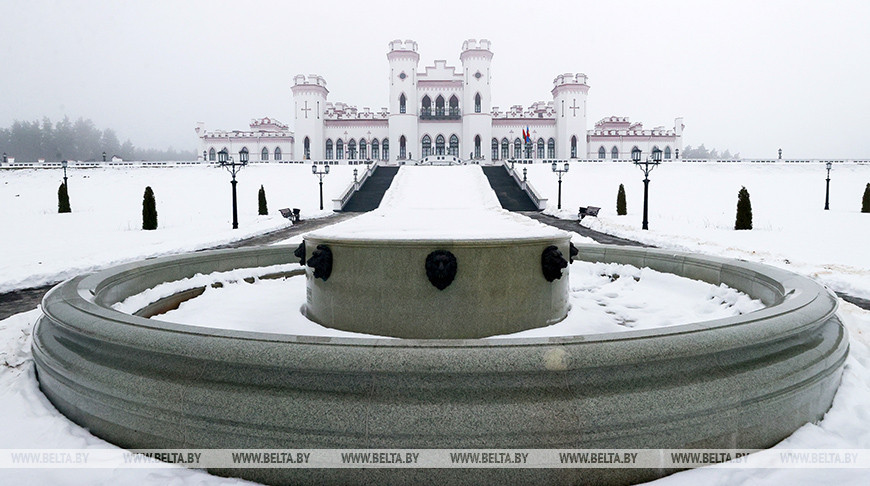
{"x":744,"y":211}
{"x":865,"y":203}
{"x":149,"y":210}
{"x":63,"y":199}
{"x":261,"y":200}
{"x":620,"y":202}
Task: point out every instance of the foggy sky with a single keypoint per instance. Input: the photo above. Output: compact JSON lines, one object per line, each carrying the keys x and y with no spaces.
{"x":749,"y":76}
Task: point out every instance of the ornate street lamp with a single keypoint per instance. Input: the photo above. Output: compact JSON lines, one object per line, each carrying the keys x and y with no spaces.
{"x":63,"y":164}
{"x":104,"y":156}
{"x":354,"y":176}
{"x":4,"y":157}
{"x":828,"y":185}
{"x":320,"y":174}
{"x":780,"y":153}
{"x":524,"y":174}
{"x":233,"y":168}
{"x":559,"y":171}
{"x":647,"y":166}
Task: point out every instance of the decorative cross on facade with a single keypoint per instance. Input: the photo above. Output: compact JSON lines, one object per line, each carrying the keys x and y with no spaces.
{"x":575,"y":107}
{"x":306,"y":109}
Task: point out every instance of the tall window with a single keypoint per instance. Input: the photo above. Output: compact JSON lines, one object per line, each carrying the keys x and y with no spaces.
{"x":505,"y":149}
{"x":454,"y":146}
{"x":211,"y":154}
{"x":329,"y":149}
{"x":402,"y":103}
{"x":277,"y":153}
{"x":667,"y":153}
{"x":427,"y":146}
{"x":540,"y":148}
{"x":614,"y":153}
{"x":307,"y":146}
{"x":351,"y":149}
{"x":574,"y":147}
{"x":454,"y":106}
{"x":477,"y":103}
{"x":245,"y":150}
{"x":529,"y":149}
{"x":385,"y":148}
{"x":402,"y":147}
{"x":518,"y":148}
{"x":439,"y":145}
{"x":427,"y":106}
{"x":363,"y":149}
{"x":439,"y":106}
{"x":551,"y":149}
{"x":602,"y":154}
{"x":477,"y":146}
{"x":495,"y":149}
{"x":264,"y":154}
{"x":339,"y":149}
{"x":375,"y":149}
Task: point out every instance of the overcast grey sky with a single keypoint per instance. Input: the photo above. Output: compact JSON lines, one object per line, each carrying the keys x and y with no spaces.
{"x":750,"y":76}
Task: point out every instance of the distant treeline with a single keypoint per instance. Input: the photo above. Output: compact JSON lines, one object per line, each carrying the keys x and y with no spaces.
{"x":702,"y":153}
{"x":79,"y":140}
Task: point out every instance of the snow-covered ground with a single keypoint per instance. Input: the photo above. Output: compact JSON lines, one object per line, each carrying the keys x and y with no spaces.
{"x":691,"y":207}
{"x":194,"y":210}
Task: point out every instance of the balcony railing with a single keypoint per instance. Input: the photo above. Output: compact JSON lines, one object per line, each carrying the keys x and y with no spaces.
{"x":440,"y":114}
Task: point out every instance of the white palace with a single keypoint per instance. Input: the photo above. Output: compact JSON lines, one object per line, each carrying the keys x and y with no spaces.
{"x":438,"y":112}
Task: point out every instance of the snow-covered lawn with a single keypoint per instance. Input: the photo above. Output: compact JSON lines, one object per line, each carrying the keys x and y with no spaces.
{"x":692,"y":207}
{"x":194,"y":210}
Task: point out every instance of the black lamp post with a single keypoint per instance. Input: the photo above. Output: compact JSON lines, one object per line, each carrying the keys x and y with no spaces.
{"x":780,"y":153}
{"x":354,"y":176}
{"x":104,"y":156}
{"x":63,"y":164}
{"x":646,"y":166}
{"x":233,"y":168}
{"x":524,"y":174}
{"x":4,"y":157}
{"x":827,"y":185}
{"x":204,"y":155}
{"x":320,"y":174}
{"x":559,"y":171}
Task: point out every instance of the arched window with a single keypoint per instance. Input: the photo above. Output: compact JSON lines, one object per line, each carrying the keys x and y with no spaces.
{"x":329,"y":149}
{"x":454,"y":106}
{"x":363,"y":149}
{"x":454,"y":146}
{"x":635,"y":150}
{"x":477,"y":103}
{"x":477,"y":146}
{"x":385,"y":149}
{"x":602,"y":154}
{"x":427,"y":145}
{"x":551,"y":149}
{"x":402,"y":103}
{"x":375,"y":149}
{"x":264,"y":154}
{"x":402,"y":151}
{"x":614,"y":153}
{"x":505,"y":149}
{"x":278,"y":152}
{"x":307,"y":149}
{"x":529,"y":148}
{"x":245,"y":150}
{"x":667,"y":153}
{"x":518,"y":149}
{"x":574,"y":147}
{"x":427,"y":106}
{"x":439,"y":145}
{"x":339,"y":149}
{"x":540,"y":148}
{"x":211,"y":154}
{"x":351,"y":149}
{"x":439,"y":106}
{"x":495,"y":149}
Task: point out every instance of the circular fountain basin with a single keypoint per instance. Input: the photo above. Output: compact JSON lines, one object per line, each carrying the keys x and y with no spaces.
{"x":744,"y":382}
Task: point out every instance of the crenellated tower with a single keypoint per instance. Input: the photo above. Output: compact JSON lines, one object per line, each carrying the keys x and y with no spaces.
{"x":403,"y":58}
{"x":569,"y":101}
{"x":476,"y":58}
{"x":309,"y":103}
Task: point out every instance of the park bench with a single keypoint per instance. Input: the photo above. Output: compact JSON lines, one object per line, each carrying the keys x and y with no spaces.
{"x":587,"y":211}
{"x":291,"y":215}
